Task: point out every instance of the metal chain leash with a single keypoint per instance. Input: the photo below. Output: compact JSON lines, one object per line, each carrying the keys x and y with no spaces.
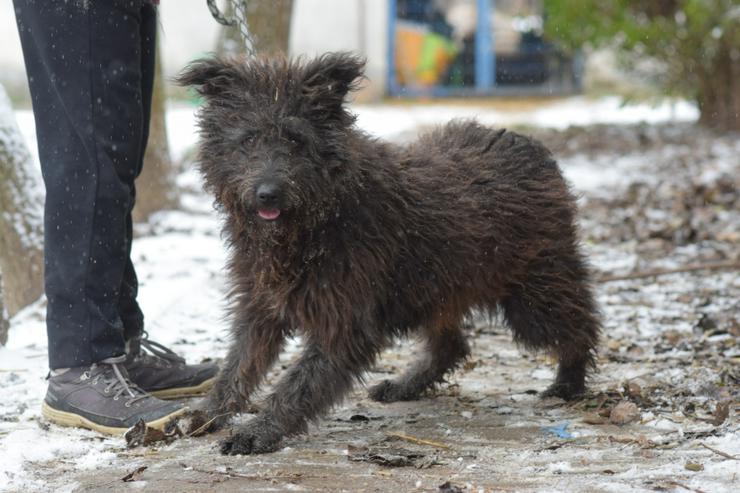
{"x":239,"y":20}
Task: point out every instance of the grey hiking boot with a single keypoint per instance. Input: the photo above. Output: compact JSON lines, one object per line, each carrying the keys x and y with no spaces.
{"x":102,"y":398}
{"x":164,"y":374}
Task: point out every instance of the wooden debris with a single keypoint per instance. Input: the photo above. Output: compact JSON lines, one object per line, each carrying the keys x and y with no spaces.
{"x":203,"y":428}
{"x":418,"y":441}
{"x":681,"y":485}
{"x":719,"y":452}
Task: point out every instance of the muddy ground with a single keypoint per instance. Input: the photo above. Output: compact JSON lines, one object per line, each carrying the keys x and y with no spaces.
{"x":651,"y":198}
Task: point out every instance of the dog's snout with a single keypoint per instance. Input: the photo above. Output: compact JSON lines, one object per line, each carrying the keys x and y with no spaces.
{"x":268,"y":194}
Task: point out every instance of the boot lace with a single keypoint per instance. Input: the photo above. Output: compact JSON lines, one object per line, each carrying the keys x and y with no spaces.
{"x":157,"y":353}
{"x":115,"y":381}
{"x":160,"y":351}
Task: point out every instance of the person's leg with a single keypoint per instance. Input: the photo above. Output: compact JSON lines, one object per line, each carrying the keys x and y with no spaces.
{"x":84,"y":69}
{"x":153,"y":367}
{"x":84,"y":65}
{"x":131,"y":315}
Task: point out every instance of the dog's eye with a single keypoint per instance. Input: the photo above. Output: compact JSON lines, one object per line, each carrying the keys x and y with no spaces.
{"x":295,"y":141}
{"x":248,"y":140}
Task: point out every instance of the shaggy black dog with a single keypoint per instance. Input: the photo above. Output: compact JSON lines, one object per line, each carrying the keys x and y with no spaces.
{"x":352,"y":242}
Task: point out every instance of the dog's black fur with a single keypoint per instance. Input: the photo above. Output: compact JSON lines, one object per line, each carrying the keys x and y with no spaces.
{"x":353,"y":242}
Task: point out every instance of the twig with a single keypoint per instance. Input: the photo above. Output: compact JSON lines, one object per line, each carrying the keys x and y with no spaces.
{"x":727,"y":264}
{"x":719,"y":452}
{"x":676,"y":483}
{"x":259,"y":477}
{"x":418,"y":441}
{"x":205,"y":425}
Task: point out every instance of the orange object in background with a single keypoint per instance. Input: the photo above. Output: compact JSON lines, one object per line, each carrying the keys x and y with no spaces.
{"x":422,"y":56}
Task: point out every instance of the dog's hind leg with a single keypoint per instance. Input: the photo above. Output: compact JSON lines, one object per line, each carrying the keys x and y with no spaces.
{"x":445,"y":350}
{"x":323,"y":374}
{"x":553,"y":309}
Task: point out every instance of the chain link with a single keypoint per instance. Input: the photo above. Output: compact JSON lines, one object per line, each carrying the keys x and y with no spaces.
{"x":239,"y":20}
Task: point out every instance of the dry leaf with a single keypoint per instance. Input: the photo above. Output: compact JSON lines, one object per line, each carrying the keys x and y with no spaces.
{"x":694,"y":466}
{"x":593,"y":419}
{"x":721,"y":413}
{"x":134,"y":475}
{"x":623,"y":413}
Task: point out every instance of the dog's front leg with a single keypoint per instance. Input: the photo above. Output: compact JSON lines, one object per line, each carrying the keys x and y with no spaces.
{"x":319,"y":379}
{"x":257,"y":341}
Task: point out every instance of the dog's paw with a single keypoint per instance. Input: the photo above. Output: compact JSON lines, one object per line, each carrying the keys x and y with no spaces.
{"x":256,"y":437}
{"x":564,"y":390}
{"x":390,"y":391}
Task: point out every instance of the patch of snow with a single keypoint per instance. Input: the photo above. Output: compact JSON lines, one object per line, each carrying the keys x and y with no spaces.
{"x":393,"y":121}
{"x":26,"y":187}
{"x":542,"y":373}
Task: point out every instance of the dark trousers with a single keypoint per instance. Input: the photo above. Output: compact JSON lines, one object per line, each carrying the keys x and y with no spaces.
{"x":90,"y":68}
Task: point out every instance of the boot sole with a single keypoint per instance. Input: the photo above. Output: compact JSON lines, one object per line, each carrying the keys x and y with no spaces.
{"x":64,"y":418}
{"x":181,"y":392}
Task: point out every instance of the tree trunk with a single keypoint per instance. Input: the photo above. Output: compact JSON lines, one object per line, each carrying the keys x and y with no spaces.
{"x":4,"y":316}
{"x":269,"y":27}
{"x":719,"y":93}
{"x":21,"y":216}
{"x":156,"y":187}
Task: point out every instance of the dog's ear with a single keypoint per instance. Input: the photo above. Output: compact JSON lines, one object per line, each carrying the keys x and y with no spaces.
{"x":209,"y":76}
{"x":328,"y":78}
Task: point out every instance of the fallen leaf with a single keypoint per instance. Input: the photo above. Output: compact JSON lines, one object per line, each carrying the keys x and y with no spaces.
{"x":388,"y":457}
{"x":605,"y":411}
{"x":623,"y":413}
{"x":448,"y":487}
{"x":134,"y":475}
{"x":721,"y":413}
{"x":633,"y":389}
{"x":613,"y":345}
{"x":594,"y":419}
{"x":142,"y":435}
{"x":694,"y":466}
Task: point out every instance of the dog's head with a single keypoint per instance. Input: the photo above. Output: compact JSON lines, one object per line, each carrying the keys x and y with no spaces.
{"x":274,"y":132}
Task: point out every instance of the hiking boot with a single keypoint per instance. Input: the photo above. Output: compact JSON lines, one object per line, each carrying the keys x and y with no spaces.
{"x":102,"y":398}
{"x":165,"y":375}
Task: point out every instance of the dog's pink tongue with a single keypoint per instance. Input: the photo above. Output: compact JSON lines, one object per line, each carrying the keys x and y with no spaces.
{"x":269,"y":214}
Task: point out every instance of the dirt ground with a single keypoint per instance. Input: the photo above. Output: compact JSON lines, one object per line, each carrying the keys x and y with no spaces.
{"x":670,"y":355}
{"x":488,"y":431}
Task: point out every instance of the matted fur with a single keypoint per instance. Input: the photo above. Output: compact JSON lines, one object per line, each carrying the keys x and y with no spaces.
{"x":375,"y":241}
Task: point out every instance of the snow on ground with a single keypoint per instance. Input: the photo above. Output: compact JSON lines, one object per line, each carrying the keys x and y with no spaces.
{"x":655,"y":328}
{"x":394,"y":121}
